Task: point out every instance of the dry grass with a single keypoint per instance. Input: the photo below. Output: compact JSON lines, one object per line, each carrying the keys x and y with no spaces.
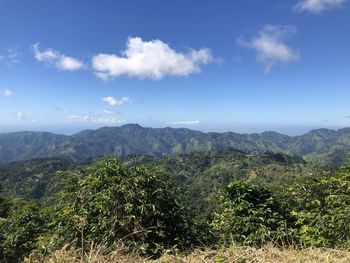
{"x":267,"y":254}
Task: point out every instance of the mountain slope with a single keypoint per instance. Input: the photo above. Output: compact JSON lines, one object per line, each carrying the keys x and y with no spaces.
{"x":134,"y":139}
{"x":27,"y":145}
{"x":202,"y":174}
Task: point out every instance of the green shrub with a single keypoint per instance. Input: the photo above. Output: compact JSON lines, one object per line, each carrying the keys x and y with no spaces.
{"x":20,"y":231}
{"x":108,"y":202}
{"x":250,"y":215}
{"x":322,"y":208}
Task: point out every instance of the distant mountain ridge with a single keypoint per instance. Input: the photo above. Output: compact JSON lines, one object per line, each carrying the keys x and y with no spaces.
{"x":323,"y":145}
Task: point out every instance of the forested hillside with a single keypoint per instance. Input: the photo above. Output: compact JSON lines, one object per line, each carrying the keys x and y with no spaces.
{"x":31,"y":179}
{"x":201,"y":173}
{"x":323,"y":145}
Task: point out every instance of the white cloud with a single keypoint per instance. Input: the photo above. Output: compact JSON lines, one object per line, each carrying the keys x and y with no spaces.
{"x":95,"y":118}
{"x":110,"y":100}
{"x":55,"y":58}
{"x":113,"y":102}
{"x":269,"y":46}
{"x":110,"y":112}
{"x":68,"y":63}
{"x":7,"y":93}
{"x":11,"y":57}
{"x":22,"y":117}
{"x":183,"y":122}
{"x":49,"y":55}
{"x":317,"y":6}
{"x":153,"y":59}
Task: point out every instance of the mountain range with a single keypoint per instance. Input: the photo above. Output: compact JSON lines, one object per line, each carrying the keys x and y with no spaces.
{"x":322,"y":145}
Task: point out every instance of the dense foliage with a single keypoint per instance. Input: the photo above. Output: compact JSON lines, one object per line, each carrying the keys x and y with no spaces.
{"x":251,"y":215}
{"x":20,"y":232}
{"x":104,"y":203}
{"x":31,"y":179}
{"x":322,"y":208}
{"x":108,"y":202}
{"x":149,"y":205}
{"x":200,"y":175}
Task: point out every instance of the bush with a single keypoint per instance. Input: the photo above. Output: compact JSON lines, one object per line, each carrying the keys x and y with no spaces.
{"x":322,"y":208}
{"x":20,"y":231}
{"x":250,"y":215}
{"x":108,"y":202}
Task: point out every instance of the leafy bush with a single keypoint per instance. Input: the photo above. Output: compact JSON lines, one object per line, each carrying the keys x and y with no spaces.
{"x":20,"y":231}
{"x":322,"y":208}
{"x":250,"y":215}
{"x":108,"y":202}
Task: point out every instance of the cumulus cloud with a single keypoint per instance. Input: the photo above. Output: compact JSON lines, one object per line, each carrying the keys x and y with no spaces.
{"x":149,"y":59}
{"x":100,"y":118}
{"x":183,"y":122}
{"x":269,"y":46}
{"x":54,"y":58}
{"x":110,"y":100}
{"x":115,"y":102}
{"x":7,"y":93}
{"x":69,"y":63}
{"x":317,"y":6}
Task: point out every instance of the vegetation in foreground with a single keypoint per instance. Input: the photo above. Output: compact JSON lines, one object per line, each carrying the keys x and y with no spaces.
{"x":106,"y":204}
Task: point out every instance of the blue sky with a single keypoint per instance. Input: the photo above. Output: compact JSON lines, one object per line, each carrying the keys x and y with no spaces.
{"x":243,"y":65}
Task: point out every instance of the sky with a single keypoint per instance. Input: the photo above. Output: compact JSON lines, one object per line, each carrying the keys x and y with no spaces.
{"x":243,"y":65}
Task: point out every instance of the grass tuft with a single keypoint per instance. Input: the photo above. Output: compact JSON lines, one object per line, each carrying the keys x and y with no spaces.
{"x":266,"y":254}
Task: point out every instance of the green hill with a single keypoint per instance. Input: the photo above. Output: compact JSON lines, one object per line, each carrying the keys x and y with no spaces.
{"x":321,"y":145}
{"x":199,"y":175}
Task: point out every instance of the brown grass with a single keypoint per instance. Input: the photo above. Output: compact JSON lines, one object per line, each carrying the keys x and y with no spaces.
{"x":267,"y":254}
